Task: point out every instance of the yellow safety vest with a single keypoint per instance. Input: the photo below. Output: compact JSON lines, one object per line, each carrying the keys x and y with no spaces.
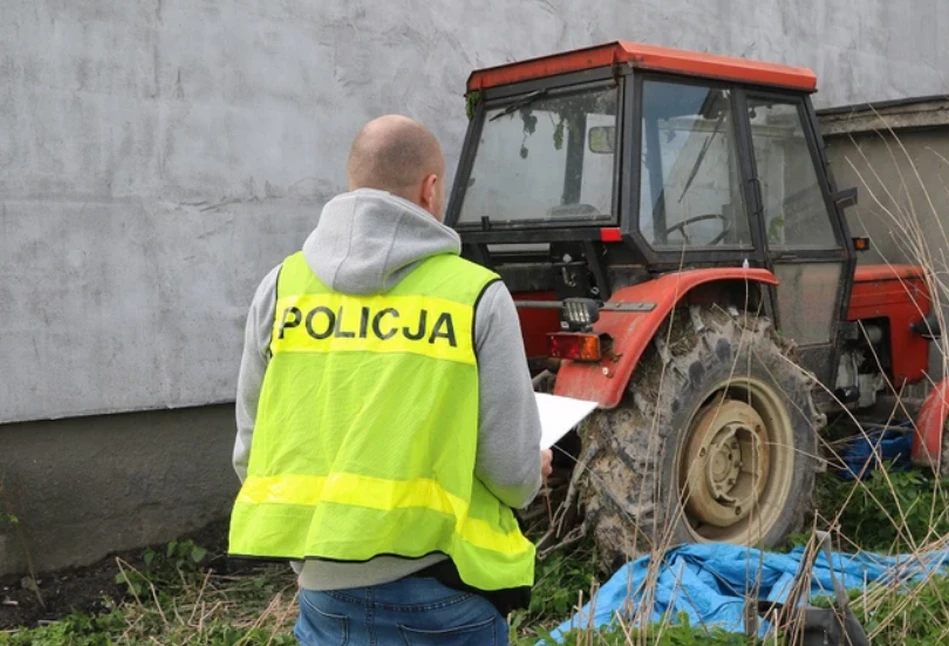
{"x":367,"y":430}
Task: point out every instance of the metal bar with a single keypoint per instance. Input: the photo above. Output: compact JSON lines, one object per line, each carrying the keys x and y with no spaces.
{"x":605,"y":307}
{"x":598,"y":268}
{"x":573,"y":168}
{"x":628,"y":307}
{"x":553,"y":84}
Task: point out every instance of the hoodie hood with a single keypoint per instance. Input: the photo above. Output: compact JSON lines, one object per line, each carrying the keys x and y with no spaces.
{"x":367,"y":241}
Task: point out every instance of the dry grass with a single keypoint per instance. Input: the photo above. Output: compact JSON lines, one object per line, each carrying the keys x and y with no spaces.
{"x":183,"y":606}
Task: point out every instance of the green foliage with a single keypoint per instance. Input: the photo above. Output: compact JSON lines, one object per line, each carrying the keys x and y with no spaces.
{"x":559,"y":580}
{"x":798,"y":539}
{"x":227,"y":611}
{"x":529,"y":120}
{"x":776,"y":230}
{"x":113,"y":628}
{"x":558,"y":134}
{"x":568,"y":121}
{"x":471,"y":103}
{"x":530,"y":127}
{"x":77,"y":629}
{"x":181,"y":555}
{"x":682,"y":633}
{"x":890,"y":511}
{"x":8,"y":519}
{"x":133,"y":580}
{"x":919,"y":621}
{"x":916,"y":616}
{"x":179,"y":559}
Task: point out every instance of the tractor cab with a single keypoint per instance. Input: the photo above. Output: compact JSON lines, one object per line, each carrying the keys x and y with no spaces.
{"x":678,"y":253}
{"x":586,"y":172}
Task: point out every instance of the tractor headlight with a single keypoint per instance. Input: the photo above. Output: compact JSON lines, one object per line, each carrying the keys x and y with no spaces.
{"x":579,"y":313}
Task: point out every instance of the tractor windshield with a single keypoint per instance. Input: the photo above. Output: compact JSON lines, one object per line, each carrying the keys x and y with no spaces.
{"x":690,"y":185}
{"x":545,"y":157}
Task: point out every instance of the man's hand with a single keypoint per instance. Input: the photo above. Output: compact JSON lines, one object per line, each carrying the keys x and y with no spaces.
{"x":546,"y":463}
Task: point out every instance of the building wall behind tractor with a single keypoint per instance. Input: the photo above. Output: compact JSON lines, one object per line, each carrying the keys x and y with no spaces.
{"x":157,"y":158}
{"x":902,"y":179}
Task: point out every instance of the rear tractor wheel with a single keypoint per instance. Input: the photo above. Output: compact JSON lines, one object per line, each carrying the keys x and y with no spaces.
{"x":715,"y":440}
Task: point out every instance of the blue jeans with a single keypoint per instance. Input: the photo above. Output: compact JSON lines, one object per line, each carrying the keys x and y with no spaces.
{"x":408,"y":612}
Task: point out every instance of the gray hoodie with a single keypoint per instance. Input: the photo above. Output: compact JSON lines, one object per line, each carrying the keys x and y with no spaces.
{"x":365,"y":242}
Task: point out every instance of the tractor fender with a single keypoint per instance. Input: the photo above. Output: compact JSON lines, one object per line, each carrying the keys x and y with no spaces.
{"x":631,"y":331}
{"x":930,"y":422}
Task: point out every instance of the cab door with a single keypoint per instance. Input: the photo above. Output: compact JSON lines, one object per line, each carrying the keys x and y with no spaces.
{"x":805,"y":239}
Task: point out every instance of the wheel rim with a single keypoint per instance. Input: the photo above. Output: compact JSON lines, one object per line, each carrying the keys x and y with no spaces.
{"x":736,"y":465}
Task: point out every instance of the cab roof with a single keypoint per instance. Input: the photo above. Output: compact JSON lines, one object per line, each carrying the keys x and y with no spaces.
{"x":646,"y":57}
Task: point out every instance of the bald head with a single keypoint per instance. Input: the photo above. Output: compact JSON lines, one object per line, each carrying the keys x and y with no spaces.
{"x":395,"y":154}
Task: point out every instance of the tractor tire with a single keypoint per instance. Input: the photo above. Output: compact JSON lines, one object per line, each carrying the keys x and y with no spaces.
{"x":714,"y":441}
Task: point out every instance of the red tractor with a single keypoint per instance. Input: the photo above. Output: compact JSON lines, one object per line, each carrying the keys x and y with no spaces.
{"x":678,"y":252}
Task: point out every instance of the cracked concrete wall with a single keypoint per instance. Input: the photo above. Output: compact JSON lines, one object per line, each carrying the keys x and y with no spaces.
{"x":85,"y":487}
{"x":156,"y":158}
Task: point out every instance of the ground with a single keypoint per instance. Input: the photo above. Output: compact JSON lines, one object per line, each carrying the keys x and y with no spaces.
{"x":99,"y":590}
{"x":188,"y":593}
{"x":81,"y":589}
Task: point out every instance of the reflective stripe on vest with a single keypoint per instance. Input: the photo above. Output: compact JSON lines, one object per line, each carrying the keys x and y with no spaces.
{"x":366,"y":431}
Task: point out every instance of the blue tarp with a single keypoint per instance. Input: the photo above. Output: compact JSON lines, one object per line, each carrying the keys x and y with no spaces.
{"x":710,"y":582}
{"x":893,"y":445}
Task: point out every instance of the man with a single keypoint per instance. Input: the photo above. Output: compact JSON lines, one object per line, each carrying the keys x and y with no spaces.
{"x":386,"y":419}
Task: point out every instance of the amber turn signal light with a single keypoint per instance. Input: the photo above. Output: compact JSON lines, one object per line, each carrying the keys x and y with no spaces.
{"x":575,"y":346}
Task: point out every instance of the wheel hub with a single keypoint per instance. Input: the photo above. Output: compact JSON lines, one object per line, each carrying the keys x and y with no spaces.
{"x":724,"y":463}
{"x":727,"y":463}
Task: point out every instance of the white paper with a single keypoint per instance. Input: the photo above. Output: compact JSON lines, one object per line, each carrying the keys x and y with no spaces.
{"x":558,"y":415}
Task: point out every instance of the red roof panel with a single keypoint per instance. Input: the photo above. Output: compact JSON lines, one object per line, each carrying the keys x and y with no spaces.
{"x":646,"y":57}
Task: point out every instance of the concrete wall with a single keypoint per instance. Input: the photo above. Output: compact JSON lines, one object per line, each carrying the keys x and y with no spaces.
{"x":85,"y":487}
{"x":898,"y":159}
{"x":156,"y":158}
{"x":901,"y":179}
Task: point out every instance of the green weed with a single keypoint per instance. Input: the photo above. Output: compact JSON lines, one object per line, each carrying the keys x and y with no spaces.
{"x":914,"y":614}
{"x":682,"y":633}
{"x":77,"y":629}
{"x":176,"y":600}
{"x":180,"y":560}
{"x":113,"y":628}
{"x":562,"y":581}
{"x":889,"y":512}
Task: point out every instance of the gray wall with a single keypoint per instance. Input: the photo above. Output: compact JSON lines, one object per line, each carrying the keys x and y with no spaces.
{"x":85,"y":487}
{"x":898,"y":159}
{"x":902,"y":185}
{"x":156,"y":158}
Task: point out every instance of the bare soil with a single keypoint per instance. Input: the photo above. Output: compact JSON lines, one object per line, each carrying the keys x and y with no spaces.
{"x":86,"y":589}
